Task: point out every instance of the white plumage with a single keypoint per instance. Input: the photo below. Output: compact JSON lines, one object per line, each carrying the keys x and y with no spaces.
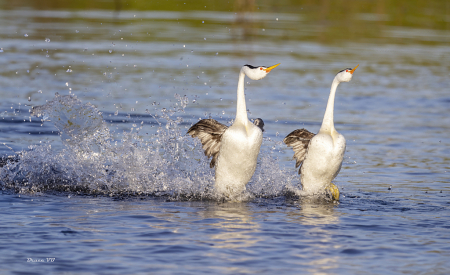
{"x":234,"y":149}
{"x":320,"y":156}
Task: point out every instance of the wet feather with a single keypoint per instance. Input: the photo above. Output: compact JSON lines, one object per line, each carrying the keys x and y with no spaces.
{"x":299,"y":141}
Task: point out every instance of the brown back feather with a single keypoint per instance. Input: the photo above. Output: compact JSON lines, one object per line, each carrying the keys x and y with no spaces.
{"x":210,"y":132}
{"x":299,"y":141}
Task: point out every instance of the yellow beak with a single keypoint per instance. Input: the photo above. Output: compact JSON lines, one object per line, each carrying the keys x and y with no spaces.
{"x":271,"y":67}
{"x":354,"y":69}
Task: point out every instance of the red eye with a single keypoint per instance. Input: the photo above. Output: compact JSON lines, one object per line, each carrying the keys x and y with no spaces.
{"x":346,"y":71}
{"x":260,"y":68}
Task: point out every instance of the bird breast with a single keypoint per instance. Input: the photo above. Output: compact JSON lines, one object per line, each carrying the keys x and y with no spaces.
{"x":325,"y":155}
{"x":240,"y":138}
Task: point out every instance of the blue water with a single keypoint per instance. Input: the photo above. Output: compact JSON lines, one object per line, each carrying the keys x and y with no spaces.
{"x":140,"y":201}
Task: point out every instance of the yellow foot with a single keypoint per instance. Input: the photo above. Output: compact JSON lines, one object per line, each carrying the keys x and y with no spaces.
{"x":334,"y":191}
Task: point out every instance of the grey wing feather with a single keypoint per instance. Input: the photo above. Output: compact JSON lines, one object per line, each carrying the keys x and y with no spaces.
{"x":210,"y":132}
{"x":260,"y":123}
{"x":299,"y":141}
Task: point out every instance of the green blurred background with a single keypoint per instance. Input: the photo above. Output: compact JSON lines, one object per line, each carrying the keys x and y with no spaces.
{"x":324,"y":21}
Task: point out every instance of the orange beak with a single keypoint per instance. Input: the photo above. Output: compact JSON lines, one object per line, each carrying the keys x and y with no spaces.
{"x":352,"y":71}
{"x":271,"y":67}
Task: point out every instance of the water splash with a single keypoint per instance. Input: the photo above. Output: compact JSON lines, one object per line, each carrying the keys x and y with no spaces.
{"x":169,"y":163}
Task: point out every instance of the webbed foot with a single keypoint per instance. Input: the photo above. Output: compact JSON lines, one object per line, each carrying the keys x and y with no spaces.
{"x":334,"y":190}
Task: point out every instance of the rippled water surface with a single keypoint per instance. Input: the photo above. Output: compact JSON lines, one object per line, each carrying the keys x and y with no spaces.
{"x":135,"y":197}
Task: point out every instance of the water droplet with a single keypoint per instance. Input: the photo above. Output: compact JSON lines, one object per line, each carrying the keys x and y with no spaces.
{"x":47,"y":55}
{"x":67,"y":83}
{"x":69,"y":71}
{"x":29,"y":98}
{"x":123,"y":54}
{"x":264,"y":30}
{"x":110,"y":51}
{"x":77,"y":31}
{"x":28,"y":71}
{"x":40,"y":91}
{"x":193,"y":101}
{"x":217,"y":53}
{"x":184,"y":46}
{"x":221,"y":99}
{"x":104,"y":73}
{"x":47,"y":40}
{"x":277,"y":19}
{"x":116,"y":112}
{"x":134,"y":66}
{"x":203,"y":22}
{"x":192,"y":51}
{"x":204,"y":38}
{"x":26,"y":35}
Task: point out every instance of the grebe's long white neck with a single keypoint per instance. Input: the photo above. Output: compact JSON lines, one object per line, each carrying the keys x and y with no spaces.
{"x":328,"y":118}
{"x":241,"y":108}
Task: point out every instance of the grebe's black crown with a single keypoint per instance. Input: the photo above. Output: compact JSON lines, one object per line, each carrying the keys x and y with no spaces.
{"x":252,"y":67}
{"x":345,"y":69}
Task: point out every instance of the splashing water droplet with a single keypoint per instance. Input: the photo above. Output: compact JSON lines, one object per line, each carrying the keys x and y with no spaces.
{"x":40,"y":91}
{"x":47,"y":40}
{"x":76,"y":31}
{"x":26,"y":35}
{"x":110,"y":51}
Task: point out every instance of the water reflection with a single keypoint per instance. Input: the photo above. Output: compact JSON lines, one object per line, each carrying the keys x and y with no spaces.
{"x":236,"y":226}
{"x":314,"y":212}
{"x":317,"y":220}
